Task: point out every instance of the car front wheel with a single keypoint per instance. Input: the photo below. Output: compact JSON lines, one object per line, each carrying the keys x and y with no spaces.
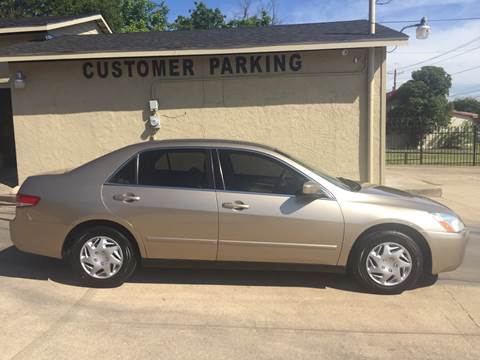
{"x":102,"y":257}
{"x":387,"y":262}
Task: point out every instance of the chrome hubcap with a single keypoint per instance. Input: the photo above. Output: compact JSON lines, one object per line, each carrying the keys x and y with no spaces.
{"x":389,"y":264}
{"x":101,"y":257}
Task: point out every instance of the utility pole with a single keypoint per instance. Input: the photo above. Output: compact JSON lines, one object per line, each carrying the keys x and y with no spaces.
{"x":395,"y":79}
{"x":371,"y":16}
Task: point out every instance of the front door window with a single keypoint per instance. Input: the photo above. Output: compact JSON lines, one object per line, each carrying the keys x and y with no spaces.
{"x":256,"y":173}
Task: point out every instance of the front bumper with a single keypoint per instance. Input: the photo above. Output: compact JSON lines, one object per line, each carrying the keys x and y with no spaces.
{"x":448,"y":249}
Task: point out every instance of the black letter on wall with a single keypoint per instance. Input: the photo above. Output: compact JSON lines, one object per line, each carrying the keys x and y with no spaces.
{"x":116,"y":69}
{"x":187,"y":67}
{"x":104,"y":73}
{"x":255,"y":64}
{"x":87,"y":72}
{"x":279,"y":62}
{"x":226,"y":66}
{"x":241,"y":64}
{"x":129,"y":63}
{"x":173,"y":65}
{"x":214,"y":63}
{"x":142,"y":68}
{"x":158,"y":67}
{"x":295,"y":62}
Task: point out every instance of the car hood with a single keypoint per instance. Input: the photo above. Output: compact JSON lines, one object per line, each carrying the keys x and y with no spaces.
{"x":396,"y":197}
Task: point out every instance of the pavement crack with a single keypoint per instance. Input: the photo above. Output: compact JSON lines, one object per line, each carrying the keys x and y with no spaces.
{"x":55,"y":325}
{"x":460,"y":305}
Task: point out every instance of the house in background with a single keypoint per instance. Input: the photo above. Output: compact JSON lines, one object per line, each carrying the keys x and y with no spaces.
{"x":461,"y":118}
{"x":17,"y":31}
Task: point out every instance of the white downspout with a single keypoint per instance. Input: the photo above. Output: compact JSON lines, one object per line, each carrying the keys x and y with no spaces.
{"x":371,"y":93}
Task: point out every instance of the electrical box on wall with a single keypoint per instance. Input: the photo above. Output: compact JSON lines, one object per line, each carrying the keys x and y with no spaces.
{"x":153,"y":105}
{"x":154,"y":120}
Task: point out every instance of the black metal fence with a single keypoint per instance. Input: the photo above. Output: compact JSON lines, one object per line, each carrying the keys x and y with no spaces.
{"x":444,"y":146}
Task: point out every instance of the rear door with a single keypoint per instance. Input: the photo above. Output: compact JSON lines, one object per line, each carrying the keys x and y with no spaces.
{"x":265,"y":218}
{"x":170,"y":200}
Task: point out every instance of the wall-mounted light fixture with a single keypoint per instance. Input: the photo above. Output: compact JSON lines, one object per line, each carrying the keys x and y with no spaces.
{"x":19,"y":81}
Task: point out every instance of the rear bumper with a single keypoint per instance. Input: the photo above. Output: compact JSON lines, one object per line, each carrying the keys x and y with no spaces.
{"x":448,"y":250}
{"x":37,"y":237}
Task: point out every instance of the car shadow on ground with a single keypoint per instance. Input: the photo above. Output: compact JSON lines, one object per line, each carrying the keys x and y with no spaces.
{"x":17,"y":264}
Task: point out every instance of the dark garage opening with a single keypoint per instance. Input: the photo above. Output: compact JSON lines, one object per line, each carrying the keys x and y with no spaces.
{"x":8,"y":160}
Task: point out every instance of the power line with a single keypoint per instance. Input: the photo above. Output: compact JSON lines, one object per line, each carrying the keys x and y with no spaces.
{"x":456,"y":55}
{"x":438,"y":56}
{"x":430,"y":20}
{"x":465,"y":70}
{"x":442,"y":60}
{"x":466,"y":92}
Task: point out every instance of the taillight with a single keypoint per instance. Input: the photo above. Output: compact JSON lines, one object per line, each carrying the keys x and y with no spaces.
{"x":27,"y":200}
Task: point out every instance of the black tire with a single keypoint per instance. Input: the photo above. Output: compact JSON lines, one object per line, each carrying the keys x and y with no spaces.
{"x":358,"y":261}
{"x":128,"y":252}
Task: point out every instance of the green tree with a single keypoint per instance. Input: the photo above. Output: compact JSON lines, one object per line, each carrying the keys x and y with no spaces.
{"x":121,"y":15}
{"x":421,"y":104}
{"x":437,"y":80}
{"x":143,"y":15}
{"x":110,"y":9}
{"x":263,"y":19}
{"x":467,"y":104}
{"x":201,"y":17}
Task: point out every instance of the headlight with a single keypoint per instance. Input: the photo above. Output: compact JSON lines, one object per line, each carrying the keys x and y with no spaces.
{"x":449,"y":223}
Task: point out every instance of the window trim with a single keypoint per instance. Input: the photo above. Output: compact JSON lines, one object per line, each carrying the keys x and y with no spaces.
{"x":220,"y":170}
{"x":215,"y":151}
{"x":325,"y":191}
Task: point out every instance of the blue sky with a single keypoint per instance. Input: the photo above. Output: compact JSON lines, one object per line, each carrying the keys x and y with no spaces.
{"x":444,"y":36}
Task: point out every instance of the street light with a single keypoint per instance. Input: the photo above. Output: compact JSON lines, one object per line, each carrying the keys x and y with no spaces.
{"x":422,"y":32}
{"x":423,"y":29}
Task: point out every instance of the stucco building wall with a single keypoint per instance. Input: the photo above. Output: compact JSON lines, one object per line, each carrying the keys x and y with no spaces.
{"x":317,"y":113}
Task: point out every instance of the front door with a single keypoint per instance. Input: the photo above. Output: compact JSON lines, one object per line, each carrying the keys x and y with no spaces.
{"x":171,"y":201}
{"x":263,"y":216}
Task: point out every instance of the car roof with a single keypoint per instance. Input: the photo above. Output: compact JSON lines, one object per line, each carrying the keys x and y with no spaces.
{"x":102,"y":167}
{"x":216,"y":143}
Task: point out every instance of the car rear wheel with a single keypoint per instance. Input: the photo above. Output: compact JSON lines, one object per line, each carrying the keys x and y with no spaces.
{"x":387,"y":262}
{"x":102,"y":256}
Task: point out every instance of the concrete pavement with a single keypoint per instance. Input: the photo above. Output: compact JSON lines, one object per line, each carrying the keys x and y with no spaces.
{"x":460,"y":185}
{"x":207,"y":314}
{"x":172,"y":314}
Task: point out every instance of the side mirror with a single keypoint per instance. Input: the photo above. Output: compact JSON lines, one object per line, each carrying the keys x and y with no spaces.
{"x":311,"y":188}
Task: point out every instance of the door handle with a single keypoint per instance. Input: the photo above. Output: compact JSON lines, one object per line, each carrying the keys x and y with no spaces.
{"x":237,"y":205}
{"x":128,"y":197}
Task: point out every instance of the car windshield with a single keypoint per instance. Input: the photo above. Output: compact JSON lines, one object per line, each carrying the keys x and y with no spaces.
{"x":343,"y":183}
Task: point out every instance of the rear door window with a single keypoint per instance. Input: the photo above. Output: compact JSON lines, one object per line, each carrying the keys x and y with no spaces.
{"x":183,"y":168}
{"x":126,"y":175}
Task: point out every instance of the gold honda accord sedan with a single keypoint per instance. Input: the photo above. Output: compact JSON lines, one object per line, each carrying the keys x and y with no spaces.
{"x":221,"y":203}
